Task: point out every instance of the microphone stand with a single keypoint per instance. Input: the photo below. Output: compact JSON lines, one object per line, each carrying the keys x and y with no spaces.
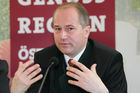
{"x":43,"y":81}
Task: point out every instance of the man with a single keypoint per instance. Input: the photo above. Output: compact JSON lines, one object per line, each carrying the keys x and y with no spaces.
{"x":4,"y":80}
{"x":94,"y":68}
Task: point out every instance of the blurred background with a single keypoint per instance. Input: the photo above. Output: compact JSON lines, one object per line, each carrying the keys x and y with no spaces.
{"x":127,"y":37}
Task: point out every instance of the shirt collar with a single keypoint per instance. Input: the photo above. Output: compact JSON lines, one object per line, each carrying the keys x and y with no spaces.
{"x":76,"y":58}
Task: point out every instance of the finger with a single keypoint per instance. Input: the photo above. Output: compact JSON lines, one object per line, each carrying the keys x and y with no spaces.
{"x":80,"y":65}
{"x":34,"y":73}
{"x":19,"y":67}
{"x":75,"y":70}
{"x":22,"y":66}
{"x":19,"y":70}
{"x":70,"y":74}
{"x":73,"y":82}
{"x":36,"y":79}
{"x":93,"y":67}
{"x":31,"y":69}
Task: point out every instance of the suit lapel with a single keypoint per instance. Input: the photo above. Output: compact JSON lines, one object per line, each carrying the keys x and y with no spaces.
{"x":88,"y":57}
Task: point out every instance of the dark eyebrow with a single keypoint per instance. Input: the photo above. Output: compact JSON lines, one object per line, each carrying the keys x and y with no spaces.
{"x":55,"y":25}
{"x":70,"y":26}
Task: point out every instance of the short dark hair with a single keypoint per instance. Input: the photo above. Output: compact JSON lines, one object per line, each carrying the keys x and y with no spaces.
{"x":82,"y":12}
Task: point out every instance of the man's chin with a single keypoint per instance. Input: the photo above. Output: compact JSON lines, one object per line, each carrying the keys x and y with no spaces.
{"x":66,"y":52}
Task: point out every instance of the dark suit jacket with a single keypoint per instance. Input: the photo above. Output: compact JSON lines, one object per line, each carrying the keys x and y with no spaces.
{"x":109,"y":68}
{"x":4,"y":80}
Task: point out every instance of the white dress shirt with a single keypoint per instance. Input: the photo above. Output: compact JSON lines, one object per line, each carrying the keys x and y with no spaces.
{"x":76,"y":58}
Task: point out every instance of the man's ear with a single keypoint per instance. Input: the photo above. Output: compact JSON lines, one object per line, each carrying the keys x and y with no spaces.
{"x":87,"y":31}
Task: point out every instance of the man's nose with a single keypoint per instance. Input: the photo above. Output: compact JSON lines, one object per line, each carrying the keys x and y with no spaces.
{"x":63,"y":34}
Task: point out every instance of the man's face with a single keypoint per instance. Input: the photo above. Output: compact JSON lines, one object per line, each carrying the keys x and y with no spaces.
{"x":69,"y":36}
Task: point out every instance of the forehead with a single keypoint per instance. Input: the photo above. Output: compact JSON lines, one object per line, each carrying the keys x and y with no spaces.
{"x":66,"y":16}
{"x":71,"y":9}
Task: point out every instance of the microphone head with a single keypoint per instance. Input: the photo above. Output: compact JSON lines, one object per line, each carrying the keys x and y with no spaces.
{"x":55,"y":61}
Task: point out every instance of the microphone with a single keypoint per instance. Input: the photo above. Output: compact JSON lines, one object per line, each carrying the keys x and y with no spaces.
{"x":53,"y":62}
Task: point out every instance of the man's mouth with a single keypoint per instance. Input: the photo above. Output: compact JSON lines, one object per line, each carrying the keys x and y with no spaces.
{"x":64,"y":44}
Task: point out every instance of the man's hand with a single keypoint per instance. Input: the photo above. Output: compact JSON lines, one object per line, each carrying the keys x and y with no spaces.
{"x":25,"y":76}
{"x":86,"y":79}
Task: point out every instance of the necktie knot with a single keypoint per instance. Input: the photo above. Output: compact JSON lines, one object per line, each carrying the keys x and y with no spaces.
{"x":69,"y":62}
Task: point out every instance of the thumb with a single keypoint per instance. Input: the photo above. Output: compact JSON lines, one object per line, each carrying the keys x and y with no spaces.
{"x":20,"y":65}
{"x":93,"y":67}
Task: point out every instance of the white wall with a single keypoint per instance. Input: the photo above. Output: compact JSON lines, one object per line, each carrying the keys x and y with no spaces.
{"x":126,"y":43}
